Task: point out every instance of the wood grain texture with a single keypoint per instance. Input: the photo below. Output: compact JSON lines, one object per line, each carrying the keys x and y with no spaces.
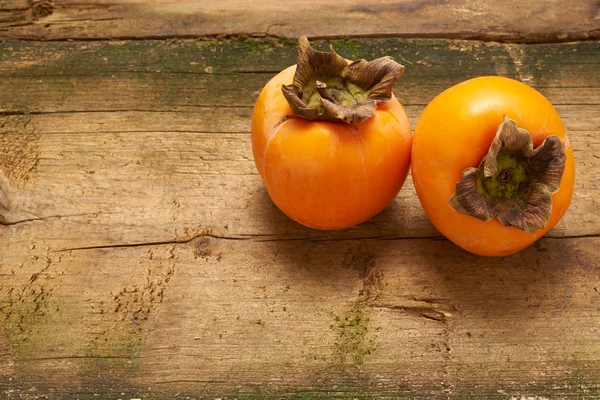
{"x":503,"y":20}
{"x":141,"y":254}
{"x":339,"y":319}
{"x":161,"y":146}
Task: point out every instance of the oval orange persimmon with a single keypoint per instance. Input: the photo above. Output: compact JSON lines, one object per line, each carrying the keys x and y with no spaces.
{"x":492,"y":165}
{"x":343,"y":167}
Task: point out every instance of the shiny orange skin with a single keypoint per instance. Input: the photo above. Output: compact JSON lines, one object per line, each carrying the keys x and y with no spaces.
{"x":455,"y":132}
{"x":329,"y":175}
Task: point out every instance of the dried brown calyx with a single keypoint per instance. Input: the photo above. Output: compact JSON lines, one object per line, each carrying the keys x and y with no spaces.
{"x":514,"y":182}
{"x":327,"y":87}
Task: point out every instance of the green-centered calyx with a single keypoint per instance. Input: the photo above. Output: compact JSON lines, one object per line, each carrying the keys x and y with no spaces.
{"x":514,"y":182}
{"x":327,"y":87}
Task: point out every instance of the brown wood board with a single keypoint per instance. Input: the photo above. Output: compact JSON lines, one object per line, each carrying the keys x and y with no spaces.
{"x":502,"y":20}
{"x":143,"y":256}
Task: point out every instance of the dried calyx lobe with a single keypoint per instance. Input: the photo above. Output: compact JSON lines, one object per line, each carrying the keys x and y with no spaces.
{"x":327,"y":87}
{"x":514,"y":181}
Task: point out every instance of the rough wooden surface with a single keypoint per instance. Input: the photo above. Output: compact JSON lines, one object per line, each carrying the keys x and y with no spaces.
{"x":142,"y":255}
{"x":501,"y":20}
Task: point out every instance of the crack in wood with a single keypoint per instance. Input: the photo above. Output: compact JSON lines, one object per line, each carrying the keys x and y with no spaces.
{"x":255,"y":238}
{"x":497,"y":37}
{"x":146,"y":244}
{"x":83,"y":357}
{"x":125,"y":110}
{"x":188,"y":381}
{"x":424,"y":312}
{"x":45,"y":218}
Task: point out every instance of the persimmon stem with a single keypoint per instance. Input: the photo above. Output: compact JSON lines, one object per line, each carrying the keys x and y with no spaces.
{"x":327,"y":87}
{"x":514,"y":182}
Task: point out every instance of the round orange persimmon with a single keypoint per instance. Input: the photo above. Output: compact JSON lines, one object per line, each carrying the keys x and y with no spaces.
{"x":329,"y":174}
{"x":504,"y":210}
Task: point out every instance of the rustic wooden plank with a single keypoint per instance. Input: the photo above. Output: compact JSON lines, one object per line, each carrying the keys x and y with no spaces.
{"x":158,"y":148}
{"x":247,"y":318}
{"x":139,"y":187}
{"x":139,"y":231}
{"x":533,"y":21}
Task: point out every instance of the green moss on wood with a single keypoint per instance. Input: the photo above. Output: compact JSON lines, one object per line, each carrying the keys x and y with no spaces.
{"x":347,"y":48}
{"x":113,"y":350}
{"x":182,"y":74}
{"x":352,"y":345}
{"x":23,"y":318}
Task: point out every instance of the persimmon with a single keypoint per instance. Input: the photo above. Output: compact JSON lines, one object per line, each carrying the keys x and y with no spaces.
{"x":492,"y":165}
{"x":330,"y":140}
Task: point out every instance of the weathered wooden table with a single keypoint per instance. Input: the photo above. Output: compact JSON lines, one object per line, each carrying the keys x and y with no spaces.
{"x":141,"y":256}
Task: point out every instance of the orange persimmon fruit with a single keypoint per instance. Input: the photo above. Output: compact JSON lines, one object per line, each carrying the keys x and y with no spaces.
{"x":492,"y":165}
{"x":330,"y":140}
